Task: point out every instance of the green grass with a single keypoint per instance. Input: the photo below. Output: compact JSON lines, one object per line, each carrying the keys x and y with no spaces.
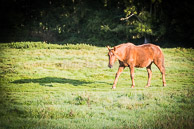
{"x":69,"y":86}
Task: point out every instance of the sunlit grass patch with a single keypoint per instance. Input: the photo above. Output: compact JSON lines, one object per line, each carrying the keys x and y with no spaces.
{"x":69,"y":86}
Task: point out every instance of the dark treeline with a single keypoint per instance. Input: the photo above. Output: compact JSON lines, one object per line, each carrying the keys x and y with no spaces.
{"x":98,"y":22}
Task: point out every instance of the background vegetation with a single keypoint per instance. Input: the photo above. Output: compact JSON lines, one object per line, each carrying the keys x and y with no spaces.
{"x":69,"y":86}
{"x":98,"y":22}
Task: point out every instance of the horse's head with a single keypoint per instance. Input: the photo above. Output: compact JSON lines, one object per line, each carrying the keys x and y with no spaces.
{"x":112,"y":56}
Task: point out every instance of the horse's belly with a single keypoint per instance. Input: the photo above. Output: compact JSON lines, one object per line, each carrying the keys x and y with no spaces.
{"x":143,"y":63}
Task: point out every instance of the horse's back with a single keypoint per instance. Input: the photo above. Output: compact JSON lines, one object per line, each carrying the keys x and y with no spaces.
{"x":151,"y":49}
{"x":148,"y":53}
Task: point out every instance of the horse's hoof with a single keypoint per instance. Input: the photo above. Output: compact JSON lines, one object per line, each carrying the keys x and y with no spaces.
{"x":147,"y":86}
{"x":113,"y":88}
{"x":132,"y":86}
{"x":164,"y":85}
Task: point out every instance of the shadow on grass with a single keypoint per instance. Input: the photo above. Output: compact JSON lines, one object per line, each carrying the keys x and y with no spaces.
{"x":46,"y":81}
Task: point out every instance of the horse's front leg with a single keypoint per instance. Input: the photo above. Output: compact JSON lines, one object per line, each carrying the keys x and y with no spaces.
{"x":132,"y":76}
{"x":120,"y":70}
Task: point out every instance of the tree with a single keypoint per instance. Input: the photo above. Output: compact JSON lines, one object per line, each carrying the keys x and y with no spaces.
{"x":143,"y":19}
{"x":98,"y":22}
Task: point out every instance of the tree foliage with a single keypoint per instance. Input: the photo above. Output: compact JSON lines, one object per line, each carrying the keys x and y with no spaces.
{"x":98,"y":22}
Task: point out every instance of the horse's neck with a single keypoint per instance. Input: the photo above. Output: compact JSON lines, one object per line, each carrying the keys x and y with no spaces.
{"x":118,"y":57}
{"x":118,"y":54}
{"x":123,"y":50}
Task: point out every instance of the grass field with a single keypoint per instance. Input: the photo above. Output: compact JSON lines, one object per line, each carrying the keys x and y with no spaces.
{"x":69,"y":86}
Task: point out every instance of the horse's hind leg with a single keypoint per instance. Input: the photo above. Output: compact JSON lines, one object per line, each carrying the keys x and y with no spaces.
{"x":160,"y":64}
{"x":149,"y":75}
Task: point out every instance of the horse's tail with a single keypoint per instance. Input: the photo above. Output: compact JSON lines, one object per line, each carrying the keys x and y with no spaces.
{"x":162,"y":57}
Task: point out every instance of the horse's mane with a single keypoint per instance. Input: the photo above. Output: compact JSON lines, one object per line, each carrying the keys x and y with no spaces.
{"x":125,"y":44}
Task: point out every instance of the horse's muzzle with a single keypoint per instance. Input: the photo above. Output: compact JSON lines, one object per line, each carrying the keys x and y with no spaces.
{"x":110,"y":66}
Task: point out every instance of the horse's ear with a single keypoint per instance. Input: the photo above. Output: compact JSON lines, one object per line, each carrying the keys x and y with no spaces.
{"x":108,"y":47}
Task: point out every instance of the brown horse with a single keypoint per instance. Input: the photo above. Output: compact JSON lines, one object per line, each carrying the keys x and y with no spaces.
{"x":140,"y":56}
